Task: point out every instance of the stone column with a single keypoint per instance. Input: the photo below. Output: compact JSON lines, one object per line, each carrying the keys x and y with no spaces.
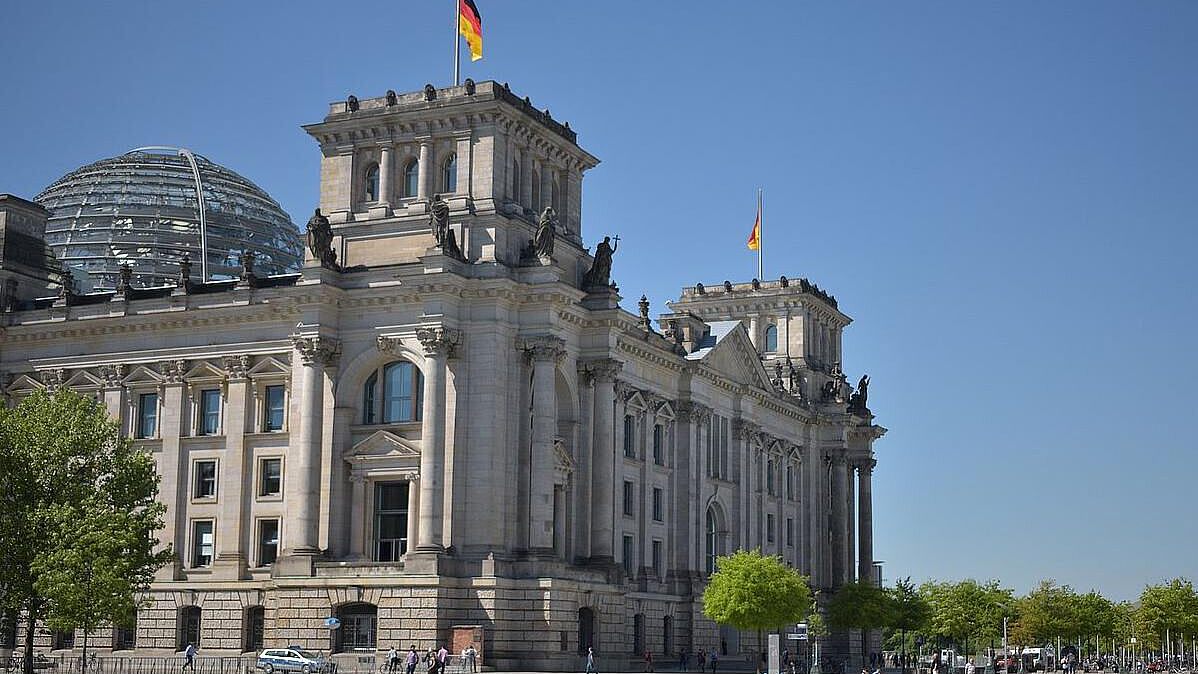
{"x":850,"y":522}
{"x":173,"y":464}
{"x":526,"y":179}
{"x":413,"y":512}
{"x":839,"y":488}
{"x":358,"y":518}
{"x":754,"y":331}
{"x":546,"y":352}
{"x":439,"y":344}
{"x":114,"y":391}
{"x":603,"y":461}
{"x":385,"y":177}
{"x":237,"y":464}
{"x":865,"y":521}
{"x":424,"y":177}
{"x":581,"y":492}
{"x":302,"y":493}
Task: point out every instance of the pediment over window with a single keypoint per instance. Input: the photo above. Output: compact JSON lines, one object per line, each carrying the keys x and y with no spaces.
{"x":563,"y":463}
{"x":83,"y":380}
{"x":269,"y":365}
{"x":204,"y":371}
{"x":143,"y":375}
{"x":636,"y":402}
{"x":383,"y":445}
{"x":666,"y":411}
{"x":24,"y":384}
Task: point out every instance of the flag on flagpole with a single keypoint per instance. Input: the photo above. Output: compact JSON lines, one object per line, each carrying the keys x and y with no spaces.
{"x":470,"y":25}
{"x":754,"y":242}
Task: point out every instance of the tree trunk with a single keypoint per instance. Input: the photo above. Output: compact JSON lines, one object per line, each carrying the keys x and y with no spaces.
{"x":31,"y":624}
{"x":83,"y":666}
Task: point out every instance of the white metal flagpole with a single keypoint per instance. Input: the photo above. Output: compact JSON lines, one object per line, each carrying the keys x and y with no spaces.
{"x":457,"y":45}
{"x":760,"y":228}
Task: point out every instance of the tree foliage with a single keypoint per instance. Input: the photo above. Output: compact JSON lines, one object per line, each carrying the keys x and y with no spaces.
{"x":968,"y":611}
{"x":1171,"y":607}
{"x":77,"y":515}
{"x":750,"y":591}
{"x":858,"y":605}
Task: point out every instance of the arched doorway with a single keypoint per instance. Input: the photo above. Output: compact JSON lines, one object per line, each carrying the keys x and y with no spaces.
{"x":586,"y":629}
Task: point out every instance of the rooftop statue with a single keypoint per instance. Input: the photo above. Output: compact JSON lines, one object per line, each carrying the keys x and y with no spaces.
{"x":599,"y":275}
{"x":546,"y":232}
{"x":439,"y":223}
{"x":320,"y":241}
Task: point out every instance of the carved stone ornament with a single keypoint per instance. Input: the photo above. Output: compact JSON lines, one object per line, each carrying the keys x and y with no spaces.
{"x":389,"y":345}
{"x":351,"y":103}
{"x":237,"y":367}
{"x":439,"y":341}
{"x":546,"y":347}
{"x":316,"y":350}
{"x":113,"y":374}
{"x":172,"y":370}
{"x":604,"y":369}
{"x":53,"y":379}
{"x":391,"y":98}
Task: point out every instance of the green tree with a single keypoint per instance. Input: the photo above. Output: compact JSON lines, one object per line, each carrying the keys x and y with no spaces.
{"x":79,"y":516}
{"x":1048,"y":612}
{"x":860,"y":606}
{"x":968,"y":611}
{"x":1171,"y":607}
{"x":751,"y":591}
{"x":909,"y":613}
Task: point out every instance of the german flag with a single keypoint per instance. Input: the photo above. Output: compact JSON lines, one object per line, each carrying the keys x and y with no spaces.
{"x":470,"y":25}
{"x":754,"y":241}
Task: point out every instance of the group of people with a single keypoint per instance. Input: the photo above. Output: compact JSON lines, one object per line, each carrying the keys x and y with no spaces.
{"x":434,"y":661}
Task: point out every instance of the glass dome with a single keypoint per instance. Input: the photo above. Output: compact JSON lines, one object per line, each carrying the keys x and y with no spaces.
{"x":141,"y":208}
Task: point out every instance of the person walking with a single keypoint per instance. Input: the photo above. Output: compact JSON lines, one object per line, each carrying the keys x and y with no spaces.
{"x":715,"y":658}
{"x":648,"y":660}
{"x":468,"y":655}
{"x":682,"y":659}
{"x":412,"y":660}
{"x":590,"y":664}
{"x":430,"y":660}
{"x":392,"y":660}
{"x":442,"y":660}
{"x":189,"y":657}
{"x":701,"y":658}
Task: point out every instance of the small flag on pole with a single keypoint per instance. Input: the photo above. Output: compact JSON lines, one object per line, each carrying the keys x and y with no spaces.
{"x":754,"y":242}
{"x":470,"y":25}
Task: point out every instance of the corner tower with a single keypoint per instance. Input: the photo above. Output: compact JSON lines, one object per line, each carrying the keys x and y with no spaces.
{"x":496,"y":160}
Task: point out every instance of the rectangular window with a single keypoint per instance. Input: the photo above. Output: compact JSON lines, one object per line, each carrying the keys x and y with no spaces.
{"x":202,"y":544}
{"x":629,"y":436}
{"x":255,"y":631}
{"x":271,"y":470}
{"x":790,"y":483}
{"x":147,"y":415}
{"x":629,"y":497}
{"x":124,"y":638}
{"x":390,"y":521}
{"x":658,"y":569}
{"x":629,"y":555}
{"x":769,"y":477}
{"x":205,"y":479}
{"x":769,"y":528}
{"x":268,"y":542}
{"x":210,"y":412}
{"x":659,"y":450}
{"x":790,"y":532}
{"x":62,"y":640}
{"x":658,"y":506}
{"x":189,"y":627}
{"x":273,"y":408}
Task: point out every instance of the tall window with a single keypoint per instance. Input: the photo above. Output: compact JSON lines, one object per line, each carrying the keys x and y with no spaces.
{"x":210,"y":412}
{"x":717,"y":447}
{"x":390,"y":521}
{"x":9,"y":624}
{"x":449,"y":174}
{"x":372,"y":183}
{"x":358,"y":627}
{"x":411,"y":178}
{"x":638,"y":633}
{"x":667,"y":635}
{"x":658,"y":562}
{"x":536,"y":191}
{"x":255,"y":628}
{"x":629,"y":555}
{"x":769,"y":528}
{"x":629,"y":436}
{"x":189,"y":627}
{"x":659,"y":450}
{"x":205,"y":479}
{"x":769,"y":477}
{"x":790,"y":532}
{"x":268,"y":542}
{"x":202,"y":544}
{"x":712,"y":541}
{"x":402,"y":392}
{"x":516,"y":184}
{"x":370,"y":399}
{"x":771,"y":338}
{"x":271,"y":470}
{"x":555,"y":197}
{"x":658,"y":505}
{"x":790,"y":482}
{"x":273,"y":408}
{"x":147,"y":415}
{"x":629,"y":498}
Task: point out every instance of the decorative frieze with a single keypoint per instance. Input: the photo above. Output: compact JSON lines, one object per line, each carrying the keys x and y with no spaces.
{"x":53,"y":379}
{"x":172,"y":371}
{"x":113,"y":374}
{"x":237,"y":367}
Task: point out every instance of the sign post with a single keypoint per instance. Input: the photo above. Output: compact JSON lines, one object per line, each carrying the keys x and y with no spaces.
{"x":775,"y":654}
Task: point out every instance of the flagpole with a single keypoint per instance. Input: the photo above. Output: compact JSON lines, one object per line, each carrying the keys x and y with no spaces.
{"x":760,"y":226}
{"x":457,"y":46}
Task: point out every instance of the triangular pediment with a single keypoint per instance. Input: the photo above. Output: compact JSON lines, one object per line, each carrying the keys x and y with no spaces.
{"x":270,"y":365}
{"x":382,"y":444}
{"x":666,"y":411}
{"x":204,"y":371}
{"x":143,"y":375}
{"x":83,"y":380}
{"x":636,"y":401}
{"x":736,"y":358}
{"x":24,"y":383}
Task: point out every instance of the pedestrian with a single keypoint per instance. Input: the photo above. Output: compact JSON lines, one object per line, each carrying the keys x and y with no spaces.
{"x":442,"y":660}
{"x":682,"y":658}
{"x":715,"y":658}
{"x":648,"y":660}
{"x":412,"y":660}
{"x":392,"y":659}
{"x":701,"y":658}
{"x":590,"y":668}
{"x":468,"y":655}
{"x":430,"y":660}
{"x":189,"y":657}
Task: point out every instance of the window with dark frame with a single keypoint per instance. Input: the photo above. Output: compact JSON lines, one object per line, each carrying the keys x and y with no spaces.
{"x":268,"y":542}
{"x":769,"y":528}
{"x":402,"y":394}
{"x":124,"y":638}
{"x":629,"y":555}
{"x":629,"y":498}
{"x":372,"y":183}
{"x":390,"y":521}
{"x":273,"y":408}
{"x":272,"y":476}
{"x":659,"y":452}
{"x":202,"y":543}
{"x":449,"y":174}
{"x":658,"y":569}
{"x":411,"y":178}
{"x":190,"y":618}
{"x":255,"y":629}
{"x":205,"y":479}
{"x":658,"y":505}
{"x":62,"y":639}
{"x":370,"y":398}
{"x":359,"y":627}
{"x":629,"y":436}
{"x":790,"y":532}
{"x":210,"y":412}
{"x":147,"y":415}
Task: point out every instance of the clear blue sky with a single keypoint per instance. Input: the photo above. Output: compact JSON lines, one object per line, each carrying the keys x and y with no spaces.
{"x":1002,"y":194}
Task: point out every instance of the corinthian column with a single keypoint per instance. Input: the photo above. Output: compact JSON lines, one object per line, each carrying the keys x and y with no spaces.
{"x":603,"y":463}
{"x":385,"y":177}
{"x":424,"y":167}
{"x":865,"y":521}
{"x":302,"y":496}
{"x":439,"y":344}
{"x":546,"y":352}
{"x":839,"y":488}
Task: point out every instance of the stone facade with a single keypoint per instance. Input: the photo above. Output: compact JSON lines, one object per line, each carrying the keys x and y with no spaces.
{"x":412,"y":440}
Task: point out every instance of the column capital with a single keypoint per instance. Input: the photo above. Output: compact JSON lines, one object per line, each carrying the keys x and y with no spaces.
{"x":437,"y":341}
{"x":744,"y":429}
{"x":237,"y":367}
{"x":543,"y":348}
{"x":838,"y":458}
{"x":53,"y":379}
{"x":689,"y":410}
{"x":316,"y":350}
{"x":865,"y":466}
{"x":602,"y":369}
{"x":113,"y":375}
{"x":173,"y":371}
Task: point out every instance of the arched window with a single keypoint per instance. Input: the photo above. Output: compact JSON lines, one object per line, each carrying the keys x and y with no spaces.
{"x":629,"y":436}
{"x":536,"y":191}
{"x":401,"y":397}
{"x":188,"y":628}
{"x":771,"y":338}
{"x":449,"y":174}
{"x":711,"y":540}
{"x":372,"y":183}
{"x":586,"y":629}
{"x":411,"y":178}
{"x":359,"y":623}
{"x":516,"y":184}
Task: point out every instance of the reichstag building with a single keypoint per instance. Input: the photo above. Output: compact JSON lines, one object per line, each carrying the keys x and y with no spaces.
{"x":437,"y":414}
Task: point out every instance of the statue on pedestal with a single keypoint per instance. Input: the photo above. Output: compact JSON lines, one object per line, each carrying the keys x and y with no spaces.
{"x":599,"y":275}
{"x":320,"y":241}
{"x":542,"y":243}
{"x":439,"y":223}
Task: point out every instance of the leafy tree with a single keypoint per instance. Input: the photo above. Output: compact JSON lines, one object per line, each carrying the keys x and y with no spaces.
{"x":750,"y":591}
{"x":909,"y":612}
{"x":1048,"y":612}
{"x":1171,"y":607}
{"x":79,"y":515}
{"x":860,"y":606}
{"x":968,"y":610}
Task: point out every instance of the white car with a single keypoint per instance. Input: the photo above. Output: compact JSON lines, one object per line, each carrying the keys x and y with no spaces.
{"x":290,"y":660}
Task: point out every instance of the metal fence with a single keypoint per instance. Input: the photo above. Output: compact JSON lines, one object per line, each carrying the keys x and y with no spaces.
{"x":73,"y":664}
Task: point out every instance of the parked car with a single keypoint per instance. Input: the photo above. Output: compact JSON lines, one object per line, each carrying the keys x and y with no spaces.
{"x":291,"y":660}
{"x":1009,"y":663}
